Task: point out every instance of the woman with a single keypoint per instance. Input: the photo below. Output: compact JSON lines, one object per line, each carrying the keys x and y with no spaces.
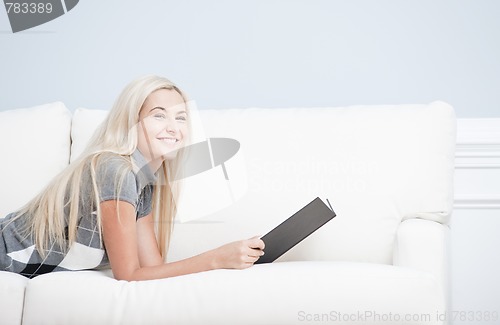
{"x":103,"y":208}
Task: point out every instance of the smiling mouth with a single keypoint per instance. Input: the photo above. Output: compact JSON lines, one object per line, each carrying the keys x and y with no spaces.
{"x":170,"y":140}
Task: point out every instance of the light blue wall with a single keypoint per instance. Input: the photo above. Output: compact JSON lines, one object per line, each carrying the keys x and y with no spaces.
{"x":264,"y":53}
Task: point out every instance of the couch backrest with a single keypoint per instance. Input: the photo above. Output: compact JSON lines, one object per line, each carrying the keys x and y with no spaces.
{"x":35,"y":144}
{"x":377,"y":164}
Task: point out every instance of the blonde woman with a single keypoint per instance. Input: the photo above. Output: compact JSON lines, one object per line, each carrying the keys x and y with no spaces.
{"x":113,"y":205}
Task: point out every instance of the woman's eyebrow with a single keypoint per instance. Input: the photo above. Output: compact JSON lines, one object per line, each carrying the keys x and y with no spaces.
{"x":157,"y":107}
{"x":163,"y":109}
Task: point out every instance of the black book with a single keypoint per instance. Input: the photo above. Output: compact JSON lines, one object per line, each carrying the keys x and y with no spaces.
{"x":295,"y":229}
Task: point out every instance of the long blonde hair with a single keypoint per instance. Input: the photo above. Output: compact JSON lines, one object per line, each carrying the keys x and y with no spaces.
{"x":115,"y":137}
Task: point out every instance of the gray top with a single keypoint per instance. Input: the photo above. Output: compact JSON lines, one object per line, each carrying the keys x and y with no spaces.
{"x":18,"y":254}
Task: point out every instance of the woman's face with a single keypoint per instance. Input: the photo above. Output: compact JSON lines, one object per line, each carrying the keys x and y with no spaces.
{"x":162,"y":126}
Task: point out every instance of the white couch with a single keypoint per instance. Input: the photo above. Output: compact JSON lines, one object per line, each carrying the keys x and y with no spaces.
{"x":387,"y":170}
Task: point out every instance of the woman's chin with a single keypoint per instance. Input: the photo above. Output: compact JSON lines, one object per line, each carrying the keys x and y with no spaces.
{"x":170,"y":155}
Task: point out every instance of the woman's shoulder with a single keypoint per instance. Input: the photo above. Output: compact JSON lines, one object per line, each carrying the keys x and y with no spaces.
{"x":113,"y":174}
{"x":109,"y":164}
{"x":110,"y":159}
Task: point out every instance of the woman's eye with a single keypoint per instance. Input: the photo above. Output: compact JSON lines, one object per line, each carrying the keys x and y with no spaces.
{"x":160,"y":116}
{"x":181,"y":118}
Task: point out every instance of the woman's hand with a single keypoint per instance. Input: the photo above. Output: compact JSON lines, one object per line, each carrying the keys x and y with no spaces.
{"x":239,"y":254}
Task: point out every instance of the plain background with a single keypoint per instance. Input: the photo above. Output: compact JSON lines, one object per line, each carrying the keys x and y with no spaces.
{"x":265,"y":53}
{"x":269,"y":53}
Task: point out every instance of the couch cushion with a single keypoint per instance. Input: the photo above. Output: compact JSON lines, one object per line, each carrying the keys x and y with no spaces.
{"x":279,"y":293}
{"x":85,"y":121}
{"x":35,"y":144}
{"x":378,"y":165}
{"x":12,"y":288}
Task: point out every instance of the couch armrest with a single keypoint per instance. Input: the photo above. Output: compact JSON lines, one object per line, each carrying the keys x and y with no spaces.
{"x":423,"y":245}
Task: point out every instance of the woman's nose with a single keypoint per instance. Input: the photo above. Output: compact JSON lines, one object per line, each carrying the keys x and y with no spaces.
{"x":172,"y":127}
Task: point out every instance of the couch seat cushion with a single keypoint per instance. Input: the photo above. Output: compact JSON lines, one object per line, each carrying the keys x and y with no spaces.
{"x":278,"y":293}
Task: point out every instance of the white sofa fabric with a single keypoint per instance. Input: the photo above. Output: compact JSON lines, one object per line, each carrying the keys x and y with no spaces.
{"x":388,"y":171}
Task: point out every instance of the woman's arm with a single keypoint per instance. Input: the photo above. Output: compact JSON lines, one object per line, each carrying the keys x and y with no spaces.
{"x":122,"y":246}
{"x":149,"y":253}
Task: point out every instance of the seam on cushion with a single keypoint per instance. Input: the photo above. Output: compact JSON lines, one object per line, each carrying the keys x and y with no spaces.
{"x":24,"y":302}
